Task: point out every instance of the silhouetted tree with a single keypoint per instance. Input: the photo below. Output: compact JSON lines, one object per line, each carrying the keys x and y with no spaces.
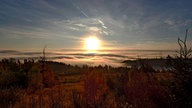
{"x":184,"y":52}
{"x":182,"y":65}
{"x":43,"y":60}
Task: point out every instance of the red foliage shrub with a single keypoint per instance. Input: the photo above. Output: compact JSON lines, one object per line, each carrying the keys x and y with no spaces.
{"x":48,"y":78}
{"x":95,"y":90}
{"x":144,"y":91}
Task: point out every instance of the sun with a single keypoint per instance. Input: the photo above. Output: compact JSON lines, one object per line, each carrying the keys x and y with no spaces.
{"x":92,"y":43}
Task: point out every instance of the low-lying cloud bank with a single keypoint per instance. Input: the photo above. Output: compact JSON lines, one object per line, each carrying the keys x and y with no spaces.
{"x":114,"y":58}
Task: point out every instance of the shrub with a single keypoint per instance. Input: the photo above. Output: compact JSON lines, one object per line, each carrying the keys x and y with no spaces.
{"x":14,"y":73}
{"x":13,"y":79}
{"x":182,"y":69}
{"x":144,"y":91}
{"x":8,"y":97}
{"x":43,"y":98}
{"x":95,"y":91}
{"x":48,"y":78}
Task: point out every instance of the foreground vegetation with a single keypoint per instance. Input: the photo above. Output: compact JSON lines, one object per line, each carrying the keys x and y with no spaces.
{"x":41,"y":84}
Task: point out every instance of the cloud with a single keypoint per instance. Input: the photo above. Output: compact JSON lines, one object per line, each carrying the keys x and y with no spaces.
{"x":9,"y":51}
{"x":44,"y":4}
{"x":73,"y":28}
{"x":15,"y":32}
{"x":101,"y":22}
{"x":169,"y":22}
{"x":176,"y":24}
{"x":84,"y":25}
{"x":94,"y":29}
{"x":80,"y":25}
{"x":66,"y":22}
{"x":65,"y":56}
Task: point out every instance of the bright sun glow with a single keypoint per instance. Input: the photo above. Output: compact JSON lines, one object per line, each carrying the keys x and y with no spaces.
{"x":92,"y":43}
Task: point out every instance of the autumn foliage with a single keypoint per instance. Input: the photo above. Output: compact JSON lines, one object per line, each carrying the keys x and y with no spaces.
{"x":80,"y":87}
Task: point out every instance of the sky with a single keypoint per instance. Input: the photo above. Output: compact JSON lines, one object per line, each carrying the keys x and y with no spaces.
{"x":119,"y":24}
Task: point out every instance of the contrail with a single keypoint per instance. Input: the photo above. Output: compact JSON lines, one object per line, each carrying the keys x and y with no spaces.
{"x":79,"y":9}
